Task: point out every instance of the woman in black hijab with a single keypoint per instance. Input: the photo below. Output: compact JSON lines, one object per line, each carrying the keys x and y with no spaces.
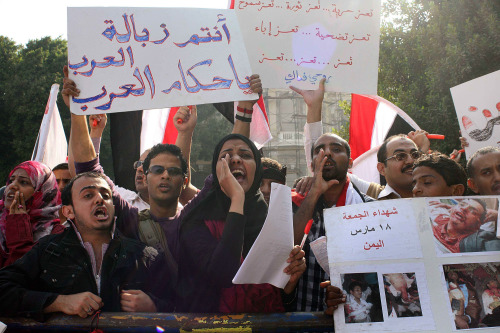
{"x":217,"y":234}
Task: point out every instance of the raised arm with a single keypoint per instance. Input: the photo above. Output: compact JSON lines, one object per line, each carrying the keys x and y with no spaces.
{"x":185,"y":129}
{"x":81,"y":147}
{"x":313,"y":127}
{"x":97,"y":124}
{"x":245,"y":109}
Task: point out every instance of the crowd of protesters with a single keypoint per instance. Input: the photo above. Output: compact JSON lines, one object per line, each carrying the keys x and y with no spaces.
{"x":72,"y":241}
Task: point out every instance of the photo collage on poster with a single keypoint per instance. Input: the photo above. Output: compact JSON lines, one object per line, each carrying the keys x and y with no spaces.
{"x":364,"y":303}
{"x":437,"y":268}
{"x":474,"y":294}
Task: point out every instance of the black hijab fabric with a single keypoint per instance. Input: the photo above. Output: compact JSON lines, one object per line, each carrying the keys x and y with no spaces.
{"x":216,"y":204}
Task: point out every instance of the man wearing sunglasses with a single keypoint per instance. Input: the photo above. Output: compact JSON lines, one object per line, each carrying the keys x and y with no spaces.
{"x":395,"y":162}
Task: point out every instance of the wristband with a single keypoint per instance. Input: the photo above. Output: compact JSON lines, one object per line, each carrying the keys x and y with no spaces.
{"x":244,"y":114}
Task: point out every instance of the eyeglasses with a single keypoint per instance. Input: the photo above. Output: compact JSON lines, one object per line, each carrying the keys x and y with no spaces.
{"x":159,"y":170}
{"x":138,"y":164}
{"x":402,"y":156}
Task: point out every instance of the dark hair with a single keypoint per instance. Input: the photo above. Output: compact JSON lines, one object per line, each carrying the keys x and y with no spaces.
{"x":61,"y":166}
{"x":355,"y":284}
{"x":485,"y":209}
{"x":382,"y":151}
{"x":272,"y":169}
{"x":480,"y":152}
{"x":342,"y":141}
{"x":165,"y":149}
{"x":270,"y":163}
{"x":452,"y":172}
{"x":66,"y":196}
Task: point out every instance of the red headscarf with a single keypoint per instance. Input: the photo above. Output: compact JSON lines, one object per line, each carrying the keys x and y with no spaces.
{"x":44,"y":205}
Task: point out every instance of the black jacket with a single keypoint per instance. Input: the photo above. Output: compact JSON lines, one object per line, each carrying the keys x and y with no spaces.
{"x":59,"y":264}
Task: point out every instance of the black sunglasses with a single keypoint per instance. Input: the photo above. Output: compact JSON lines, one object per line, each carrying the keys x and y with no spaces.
{"x":159,"y":170}
{"x":138,"y":164}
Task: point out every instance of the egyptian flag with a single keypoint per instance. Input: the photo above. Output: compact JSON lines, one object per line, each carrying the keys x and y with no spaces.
{"x":51,"y":147}
{"x":373,"y":119}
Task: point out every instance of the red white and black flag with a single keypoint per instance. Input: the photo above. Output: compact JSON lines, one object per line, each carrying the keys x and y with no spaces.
{"x":373,"y":119}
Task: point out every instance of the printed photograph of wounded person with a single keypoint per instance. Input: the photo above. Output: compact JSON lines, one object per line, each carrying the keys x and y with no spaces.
{"x":474,"y":294}
{"x":466,"y":224}
{"x":363,"y":303}
{"x":401,"y":295}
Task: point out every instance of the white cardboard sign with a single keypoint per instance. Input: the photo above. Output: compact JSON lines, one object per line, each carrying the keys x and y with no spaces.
{"x":292,"y":42}
{"x":477,"y":104}
{"x":425,"y":273}
{"x":126,"y":59}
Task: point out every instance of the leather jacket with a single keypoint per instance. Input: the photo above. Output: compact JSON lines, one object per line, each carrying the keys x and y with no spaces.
{"x":59,"y":264}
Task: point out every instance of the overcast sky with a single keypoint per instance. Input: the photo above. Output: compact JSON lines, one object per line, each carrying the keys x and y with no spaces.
{"x":22,"y":20}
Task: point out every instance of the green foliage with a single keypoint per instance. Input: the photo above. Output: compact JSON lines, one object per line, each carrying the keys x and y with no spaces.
{"x":26,"y":76}
{"x":427,"y":47}
{"x":25,"y":86}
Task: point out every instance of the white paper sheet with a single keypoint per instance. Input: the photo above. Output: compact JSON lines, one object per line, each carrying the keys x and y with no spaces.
{"x":320,"y":251}
{"x":3,"y":327}
{"x":266,"y":260}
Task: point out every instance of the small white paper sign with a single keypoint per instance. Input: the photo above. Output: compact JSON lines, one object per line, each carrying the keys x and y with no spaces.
{"x":126,"y":59}
{"x":292,"y":42}
{"x":373,"y":231}
{"x":477,"y":104}
{"x":266,"y":260}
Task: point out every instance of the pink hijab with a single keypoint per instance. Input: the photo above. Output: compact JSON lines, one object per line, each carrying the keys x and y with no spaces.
{"x":44,"y":205}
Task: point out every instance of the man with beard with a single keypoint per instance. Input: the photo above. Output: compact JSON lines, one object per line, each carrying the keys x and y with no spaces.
{"x":331,"y":187}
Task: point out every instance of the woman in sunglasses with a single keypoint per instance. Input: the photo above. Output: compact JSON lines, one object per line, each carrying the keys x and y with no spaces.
{"x":217,"y":234}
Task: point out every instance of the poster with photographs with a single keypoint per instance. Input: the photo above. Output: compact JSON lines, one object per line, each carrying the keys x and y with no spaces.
{"x":473,"y":290}
{"x":436,"y":269}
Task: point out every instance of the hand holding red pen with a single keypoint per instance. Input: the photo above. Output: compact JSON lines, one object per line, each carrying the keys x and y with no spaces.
{"x":456,"y":154}
{"x":185,"y":118}
{"x":296,"y":267}
{"x":97,"y":124}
